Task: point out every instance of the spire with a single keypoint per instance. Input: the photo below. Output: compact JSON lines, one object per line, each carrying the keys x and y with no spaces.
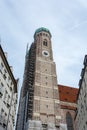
{"x":27,"y":48}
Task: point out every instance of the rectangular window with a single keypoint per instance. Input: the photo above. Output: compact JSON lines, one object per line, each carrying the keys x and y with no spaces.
{"x":2,"y":65}
{"x":1,"y":85}
{"x":5,"y":71}
{"x":1,"y":89}
{"x":4,"y":76}
{"x":45,"y":42}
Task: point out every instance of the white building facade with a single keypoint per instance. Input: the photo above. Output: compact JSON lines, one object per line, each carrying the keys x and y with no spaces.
{"x":81,"y":113}
{"x":8,"y":94}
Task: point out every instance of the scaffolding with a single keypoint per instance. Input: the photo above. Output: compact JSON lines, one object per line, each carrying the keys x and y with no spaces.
{"x":28,"y":82}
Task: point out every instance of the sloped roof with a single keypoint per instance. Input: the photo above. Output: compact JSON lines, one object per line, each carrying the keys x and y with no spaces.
{"x":67,"y":94}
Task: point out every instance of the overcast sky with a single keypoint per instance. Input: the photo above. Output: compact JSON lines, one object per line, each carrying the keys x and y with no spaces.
{"x":67,"y":22}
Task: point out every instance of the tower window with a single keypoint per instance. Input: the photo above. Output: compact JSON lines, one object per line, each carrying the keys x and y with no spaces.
{"x":45,"y":42}
{"x":46,"y":92}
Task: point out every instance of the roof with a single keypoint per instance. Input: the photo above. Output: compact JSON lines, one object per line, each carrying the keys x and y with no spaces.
{"x":67,"y":94}
{"x":42,"y":29}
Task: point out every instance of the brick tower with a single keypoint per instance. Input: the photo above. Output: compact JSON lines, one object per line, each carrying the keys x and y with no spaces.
{"x":39,"y":96}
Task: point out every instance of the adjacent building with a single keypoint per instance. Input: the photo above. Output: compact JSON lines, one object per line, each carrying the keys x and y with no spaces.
{"x":8,"y":94}
{"x":67,"y":96}
{"x":81,"y":113}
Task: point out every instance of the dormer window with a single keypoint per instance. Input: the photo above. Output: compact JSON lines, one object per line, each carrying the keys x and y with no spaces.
{"x":45,"y":42}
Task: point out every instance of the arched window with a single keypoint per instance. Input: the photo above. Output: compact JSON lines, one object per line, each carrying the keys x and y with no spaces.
{"x":45,"y":42}
{"x":69,"y":121}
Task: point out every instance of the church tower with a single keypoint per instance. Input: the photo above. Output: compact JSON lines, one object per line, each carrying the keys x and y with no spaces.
{"x":40,"y":97}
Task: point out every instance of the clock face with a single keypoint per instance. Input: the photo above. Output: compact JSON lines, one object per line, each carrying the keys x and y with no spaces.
{"x":45,"y":53}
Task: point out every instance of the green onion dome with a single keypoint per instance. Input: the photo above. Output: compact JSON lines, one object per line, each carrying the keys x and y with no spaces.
{"x":42,"y":29}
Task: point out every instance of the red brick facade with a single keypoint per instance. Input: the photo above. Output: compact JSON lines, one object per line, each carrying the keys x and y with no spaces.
{"x":68,"y":96}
